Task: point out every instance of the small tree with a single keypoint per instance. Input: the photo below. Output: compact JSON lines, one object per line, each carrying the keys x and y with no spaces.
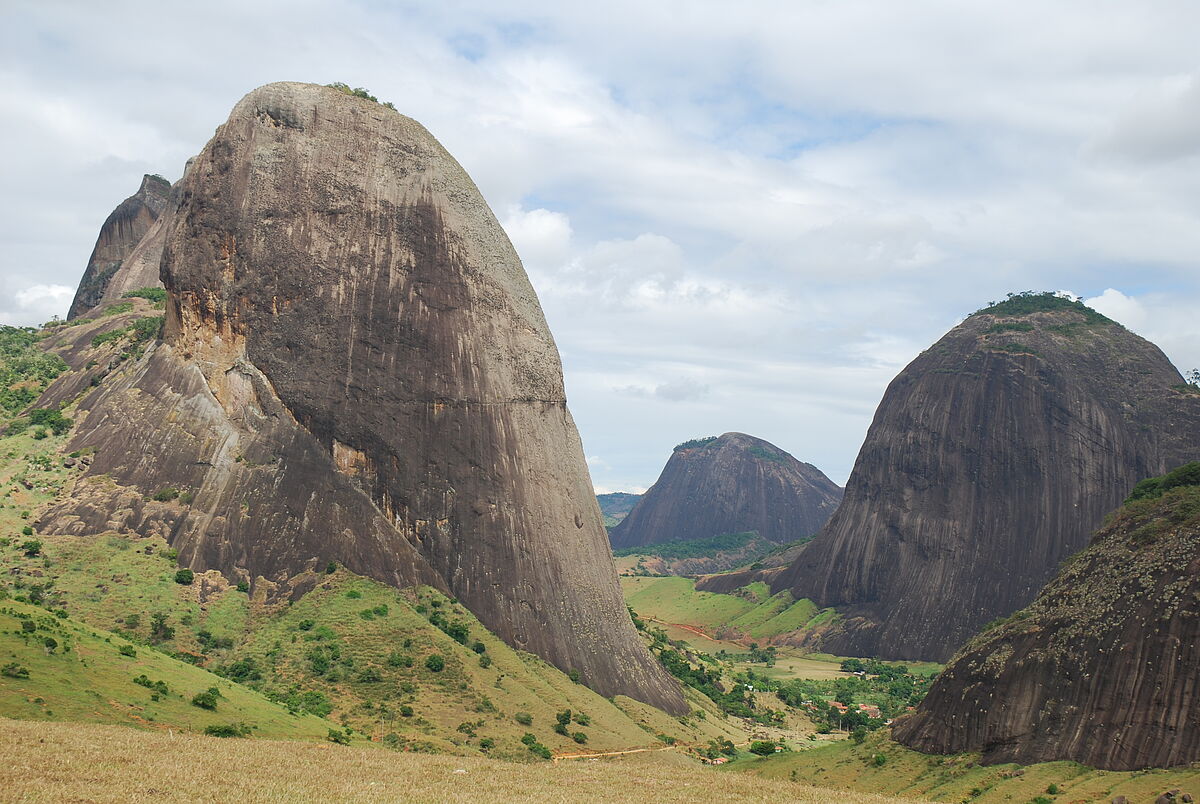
{"x":206,"y":699}
{"x":762,"y":748}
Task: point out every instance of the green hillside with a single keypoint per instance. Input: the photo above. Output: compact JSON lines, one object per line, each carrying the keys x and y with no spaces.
{"x":57,"y":669}
{"x":751,"y":612}
{"x":880,"y":766}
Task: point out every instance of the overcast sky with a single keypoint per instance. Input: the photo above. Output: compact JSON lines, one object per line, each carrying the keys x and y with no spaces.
{"x":738,"y":216}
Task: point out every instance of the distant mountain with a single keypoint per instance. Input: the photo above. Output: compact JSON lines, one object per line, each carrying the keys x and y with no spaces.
{"x":730,"y":484}
{"x":992,"y":457}
{"x":616,"y":505}
{"x":1101,"y":669}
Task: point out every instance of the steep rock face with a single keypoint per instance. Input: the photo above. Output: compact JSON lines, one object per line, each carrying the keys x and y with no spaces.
{"x":732,"y":484}
{"x":355,"y":368}
{"x":1103,"y":668}
{"x":119,"y":236}
{"x":992,"y":457}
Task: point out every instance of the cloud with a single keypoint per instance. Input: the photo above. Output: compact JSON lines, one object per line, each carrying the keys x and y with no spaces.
{"x":36,"y":304}
{"x":752,"y":216}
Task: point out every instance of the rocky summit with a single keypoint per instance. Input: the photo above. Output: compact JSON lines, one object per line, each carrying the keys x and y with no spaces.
{"x":734,"y":483}
{"x":354,"y":368}
{"x":992,"y":457}
{"x":120,"y":235}
{"x":1103,"y":667}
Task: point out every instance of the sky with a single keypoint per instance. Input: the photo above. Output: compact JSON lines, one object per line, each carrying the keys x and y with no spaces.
{"x":737,"y":216}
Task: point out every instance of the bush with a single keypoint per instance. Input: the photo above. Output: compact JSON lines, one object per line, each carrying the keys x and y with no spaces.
{"x":485,"y":661}
{"x":230,"y":730}
{"x":581,"y":719}
{"x":524,"y":718}
{"x":306,"y":625}
{"x":243,"y":587}
{"x":31,"y":548}
{"x":50,"y":643}
{"x":487,"y":743}
{"x":158,"y":686}
{"x":435,"y":663}
{"x":28,"y":626}
{"x":762,"y":748}
{"x":354,"y":594}
{"x":206,"y":699}
{"x":879,"y":760}
{"x":859,"y":734}
{"x":478,"y":647}
{"x":330,"y":568}
{"x":127,"y":650}
{"x":184,"y":577}
{"x":339,"y":737}
{"x":27,"y":531}
{"x":166,"y":494}
{"x":14,"y":670}
{"x":579,"y":737}
{"x":150,"y":294}
{"x":51,"y":418}
{"x":406,"y":711}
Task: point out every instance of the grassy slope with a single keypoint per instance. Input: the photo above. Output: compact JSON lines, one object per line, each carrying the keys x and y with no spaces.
{"x":85,"y":762}
{"x":960,"y":778}
{"x":675,"y":600}
{"x":117,"y":582}
{"x":86,"y":678}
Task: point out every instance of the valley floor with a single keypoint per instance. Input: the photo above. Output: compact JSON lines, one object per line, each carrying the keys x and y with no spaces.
{"x":56,"y":762}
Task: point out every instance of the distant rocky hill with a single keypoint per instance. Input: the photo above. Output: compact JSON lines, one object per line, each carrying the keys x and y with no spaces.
{"x":616,"y":506}
{"x":353,"y":368}
{"x":1102,"y":668}
{"x":734,"y":483}
{"x":123,"y":230}
{"x":992,"y":457}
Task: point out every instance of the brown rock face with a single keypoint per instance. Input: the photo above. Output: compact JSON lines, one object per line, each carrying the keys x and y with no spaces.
{"x":119,"y":236}
{"x":355,"y":368}
{"x":1103,"y":668}
{"x":733,"y":484}
{"x":992,"y":457}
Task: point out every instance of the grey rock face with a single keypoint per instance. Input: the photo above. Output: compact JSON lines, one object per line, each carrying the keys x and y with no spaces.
{"x":992,"y":457}
{"x":347,"y":317}
{"x":121,"y":233}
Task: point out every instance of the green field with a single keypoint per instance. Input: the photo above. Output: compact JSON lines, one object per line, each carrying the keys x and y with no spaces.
{"x":752,"y":613}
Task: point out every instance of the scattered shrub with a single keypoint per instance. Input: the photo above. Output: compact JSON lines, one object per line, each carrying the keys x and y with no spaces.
{"x":27,"y":531}
{"x":354,"y":594}
{"x":338,"y":736}
{"x":406,"y":711}
{"x":166,"y":494}
{"x":28,"y":626}
{"x":158,"y":686}
{"x":184,"y":577}
{"x":579,"y":737}
{"x":127,"y":650}
{"x":485,"y":661}
{"x":524,"y":718}
{"x":229,"y":730}
{"x":31,"y":548}
{"x":206,"y":699}
{"x":487,"y":743}
{"x":243,"y":587}
{"x":879,"y":760}
{"x":435,"y":663}
{"x":14,"y":670}
{"x":478,"y":647}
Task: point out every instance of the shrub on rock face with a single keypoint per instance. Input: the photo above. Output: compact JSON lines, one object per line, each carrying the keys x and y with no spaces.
{"x":184,"y":577}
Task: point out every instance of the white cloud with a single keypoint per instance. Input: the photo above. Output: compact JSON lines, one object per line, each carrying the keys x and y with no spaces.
{"x":36,"y":304}
{"x":754,"y":213}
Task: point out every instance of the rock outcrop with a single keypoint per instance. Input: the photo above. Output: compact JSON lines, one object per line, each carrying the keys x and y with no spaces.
{"x":1102,"y":669}
{"x":992,"y":457}
{"x":731,"y":484}
{"x":120,"y":235}
{"x":355,"y":368}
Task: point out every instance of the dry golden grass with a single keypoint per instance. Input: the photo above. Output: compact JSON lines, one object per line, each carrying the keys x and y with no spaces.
{"x":69,"y":762}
